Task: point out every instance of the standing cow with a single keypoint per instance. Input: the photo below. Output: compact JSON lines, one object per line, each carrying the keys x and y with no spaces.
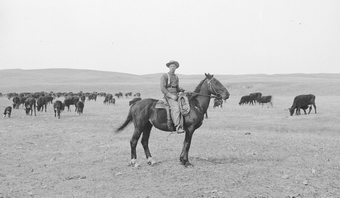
{"x":58,"y":106}
{"x":42,"y":103}
{"x":70,"y":100}
{"x":79,"y":107}
{"x":302,"y":101}
{"x":30,"y":105}
{"x":265,"y":99}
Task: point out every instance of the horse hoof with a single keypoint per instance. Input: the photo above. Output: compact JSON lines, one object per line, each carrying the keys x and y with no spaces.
{"x":151,"y":162}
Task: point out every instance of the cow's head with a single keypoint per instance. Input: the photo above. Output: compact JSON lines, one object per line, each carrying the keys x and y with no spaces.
{"x":291,"y":111}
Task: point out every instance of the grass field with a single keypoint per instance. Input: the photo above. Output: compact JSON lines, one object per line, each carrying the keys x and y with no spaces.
{"x":239,"y":151}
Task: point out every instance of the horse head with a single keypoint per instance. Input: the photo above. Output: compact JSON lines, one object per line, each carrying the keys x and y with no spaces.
{"x":216,"y":88}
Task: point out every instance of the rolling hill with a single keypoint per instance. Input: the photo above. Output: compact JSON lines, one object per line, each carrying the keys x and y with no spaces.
{"x":66,"y":80}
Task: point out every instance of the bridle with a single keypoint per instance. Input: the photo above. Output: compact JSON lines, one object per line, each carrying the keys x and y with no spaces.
{"x":211,"y":87}
{"x":215,"y":94}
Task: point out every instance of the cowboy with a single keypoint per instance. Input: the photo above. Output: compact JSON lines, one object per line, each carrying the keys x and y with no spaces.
{"x":170,"y":89}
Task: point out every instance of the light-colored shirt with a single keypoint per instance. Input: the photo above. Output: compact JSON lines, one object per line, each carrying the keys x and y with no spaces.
{"x":169,"y":85}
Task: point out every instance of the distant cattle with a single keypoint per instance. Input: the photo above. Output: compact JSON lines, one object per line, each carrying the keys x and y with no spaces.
{"x":92,"y":96}
{"x":302,"y":101}
{"x":49,"y":99}
{"x":133,"y":101}
{"x":30,"y":106}
{"x":218,"y":102}
{"x":16,"y":102}
{"x":70,"y":100}
{"x":41,"y":103}
{"x":244,"y":100}
{"x":109,"y":99}
{"x":82,"y":98}
{"x":7,"y":111}
{"x":128,"y":94}
{"x":119,"y":94}
{"x":265,"y":99}
{"x":79,"y":107}
{"x":58,"y":106}
{"x":254,"y":97}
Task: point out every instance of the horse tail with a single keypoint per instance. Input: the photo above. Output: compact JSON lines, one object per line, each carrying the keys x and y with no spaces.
{"x":127,"y":122}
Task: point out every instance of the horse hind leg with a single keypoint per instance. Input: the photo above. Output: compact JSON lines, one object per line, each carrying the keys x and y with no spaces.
{"x":133,"y":145}
{"x":145,"y":143}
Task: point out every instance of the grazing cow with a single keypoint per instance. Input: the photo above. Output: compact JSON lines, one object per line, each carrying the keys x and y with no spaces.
{"x":244,"y":100}
{"x":41,"y":103}
{"x":8,"y":111}
{"x":133,"y":101}
{"x":302,"y":101}
{"x":30,"y":105}
{"x":218,"y":102}
{"x":79,"y":107}
{"x":265,"y":99}
{"x":70,"y":100}
{"x":58,"y":106}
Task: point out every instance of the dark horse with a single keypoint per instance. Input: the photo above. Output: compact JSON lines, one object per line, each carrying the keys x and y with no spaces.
{"x":144,"y":116}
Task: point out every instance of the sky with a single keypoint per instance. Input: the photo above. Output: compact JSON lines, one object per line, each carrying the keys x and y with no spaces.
{"x":141,"y":36}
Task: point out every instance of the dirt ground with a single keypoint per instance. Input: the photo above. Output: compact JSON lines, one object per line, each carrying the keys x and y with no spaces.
{"x":239,"y":151}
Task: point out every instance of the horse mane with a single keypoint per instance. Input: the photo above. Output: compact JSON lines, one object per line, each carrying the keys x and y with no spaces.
{"x":198,"y":88}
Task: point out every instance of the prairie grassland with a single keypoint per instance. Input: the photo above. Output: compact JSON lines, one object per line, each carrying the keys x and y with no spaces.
{"x":239,"y":151}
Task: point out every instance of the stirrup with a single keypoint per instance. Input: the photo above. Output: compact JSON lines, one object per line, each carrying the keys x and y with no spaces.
{"x":179,"y":130}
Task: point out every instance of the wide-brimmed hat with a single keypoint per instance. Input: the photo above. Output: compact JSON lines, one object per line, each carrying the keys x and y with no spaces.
{"x":173,"y":62}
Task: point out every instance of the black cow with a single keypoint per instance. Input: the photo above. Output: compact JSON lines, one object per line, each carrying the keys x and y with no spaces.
{"x":265,"y":99}
{"x":244,"y":100}
{"x":70,"y":100}
{"x":218,"y":102}
{"x":16,"y":102}
{"x":58,"y":106}
{"x":302,"y":101}
{"x":109,"y":99}
{"x":8,"y":111}
{"x":42,"y":103}
{"x":30,"y":105}
{"x":133,"y":101}
{"x":49,"y":99}
{"x":79,"y":107}
{"x":92,"y":96}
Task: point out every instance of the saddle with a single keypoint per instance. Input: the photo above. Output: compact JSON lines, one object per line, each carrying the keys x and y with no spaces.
{"x":184,"y":108}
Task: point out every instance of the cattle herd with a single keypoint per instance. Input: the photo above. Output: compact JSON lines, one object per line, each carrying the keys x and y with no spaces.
{"x":38,"y":101}
{"x":300,"y":102}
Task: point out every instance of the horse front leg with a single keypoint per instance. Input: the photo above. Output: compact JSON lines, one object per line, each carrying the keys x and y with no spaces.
{"x":184,"y":157}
